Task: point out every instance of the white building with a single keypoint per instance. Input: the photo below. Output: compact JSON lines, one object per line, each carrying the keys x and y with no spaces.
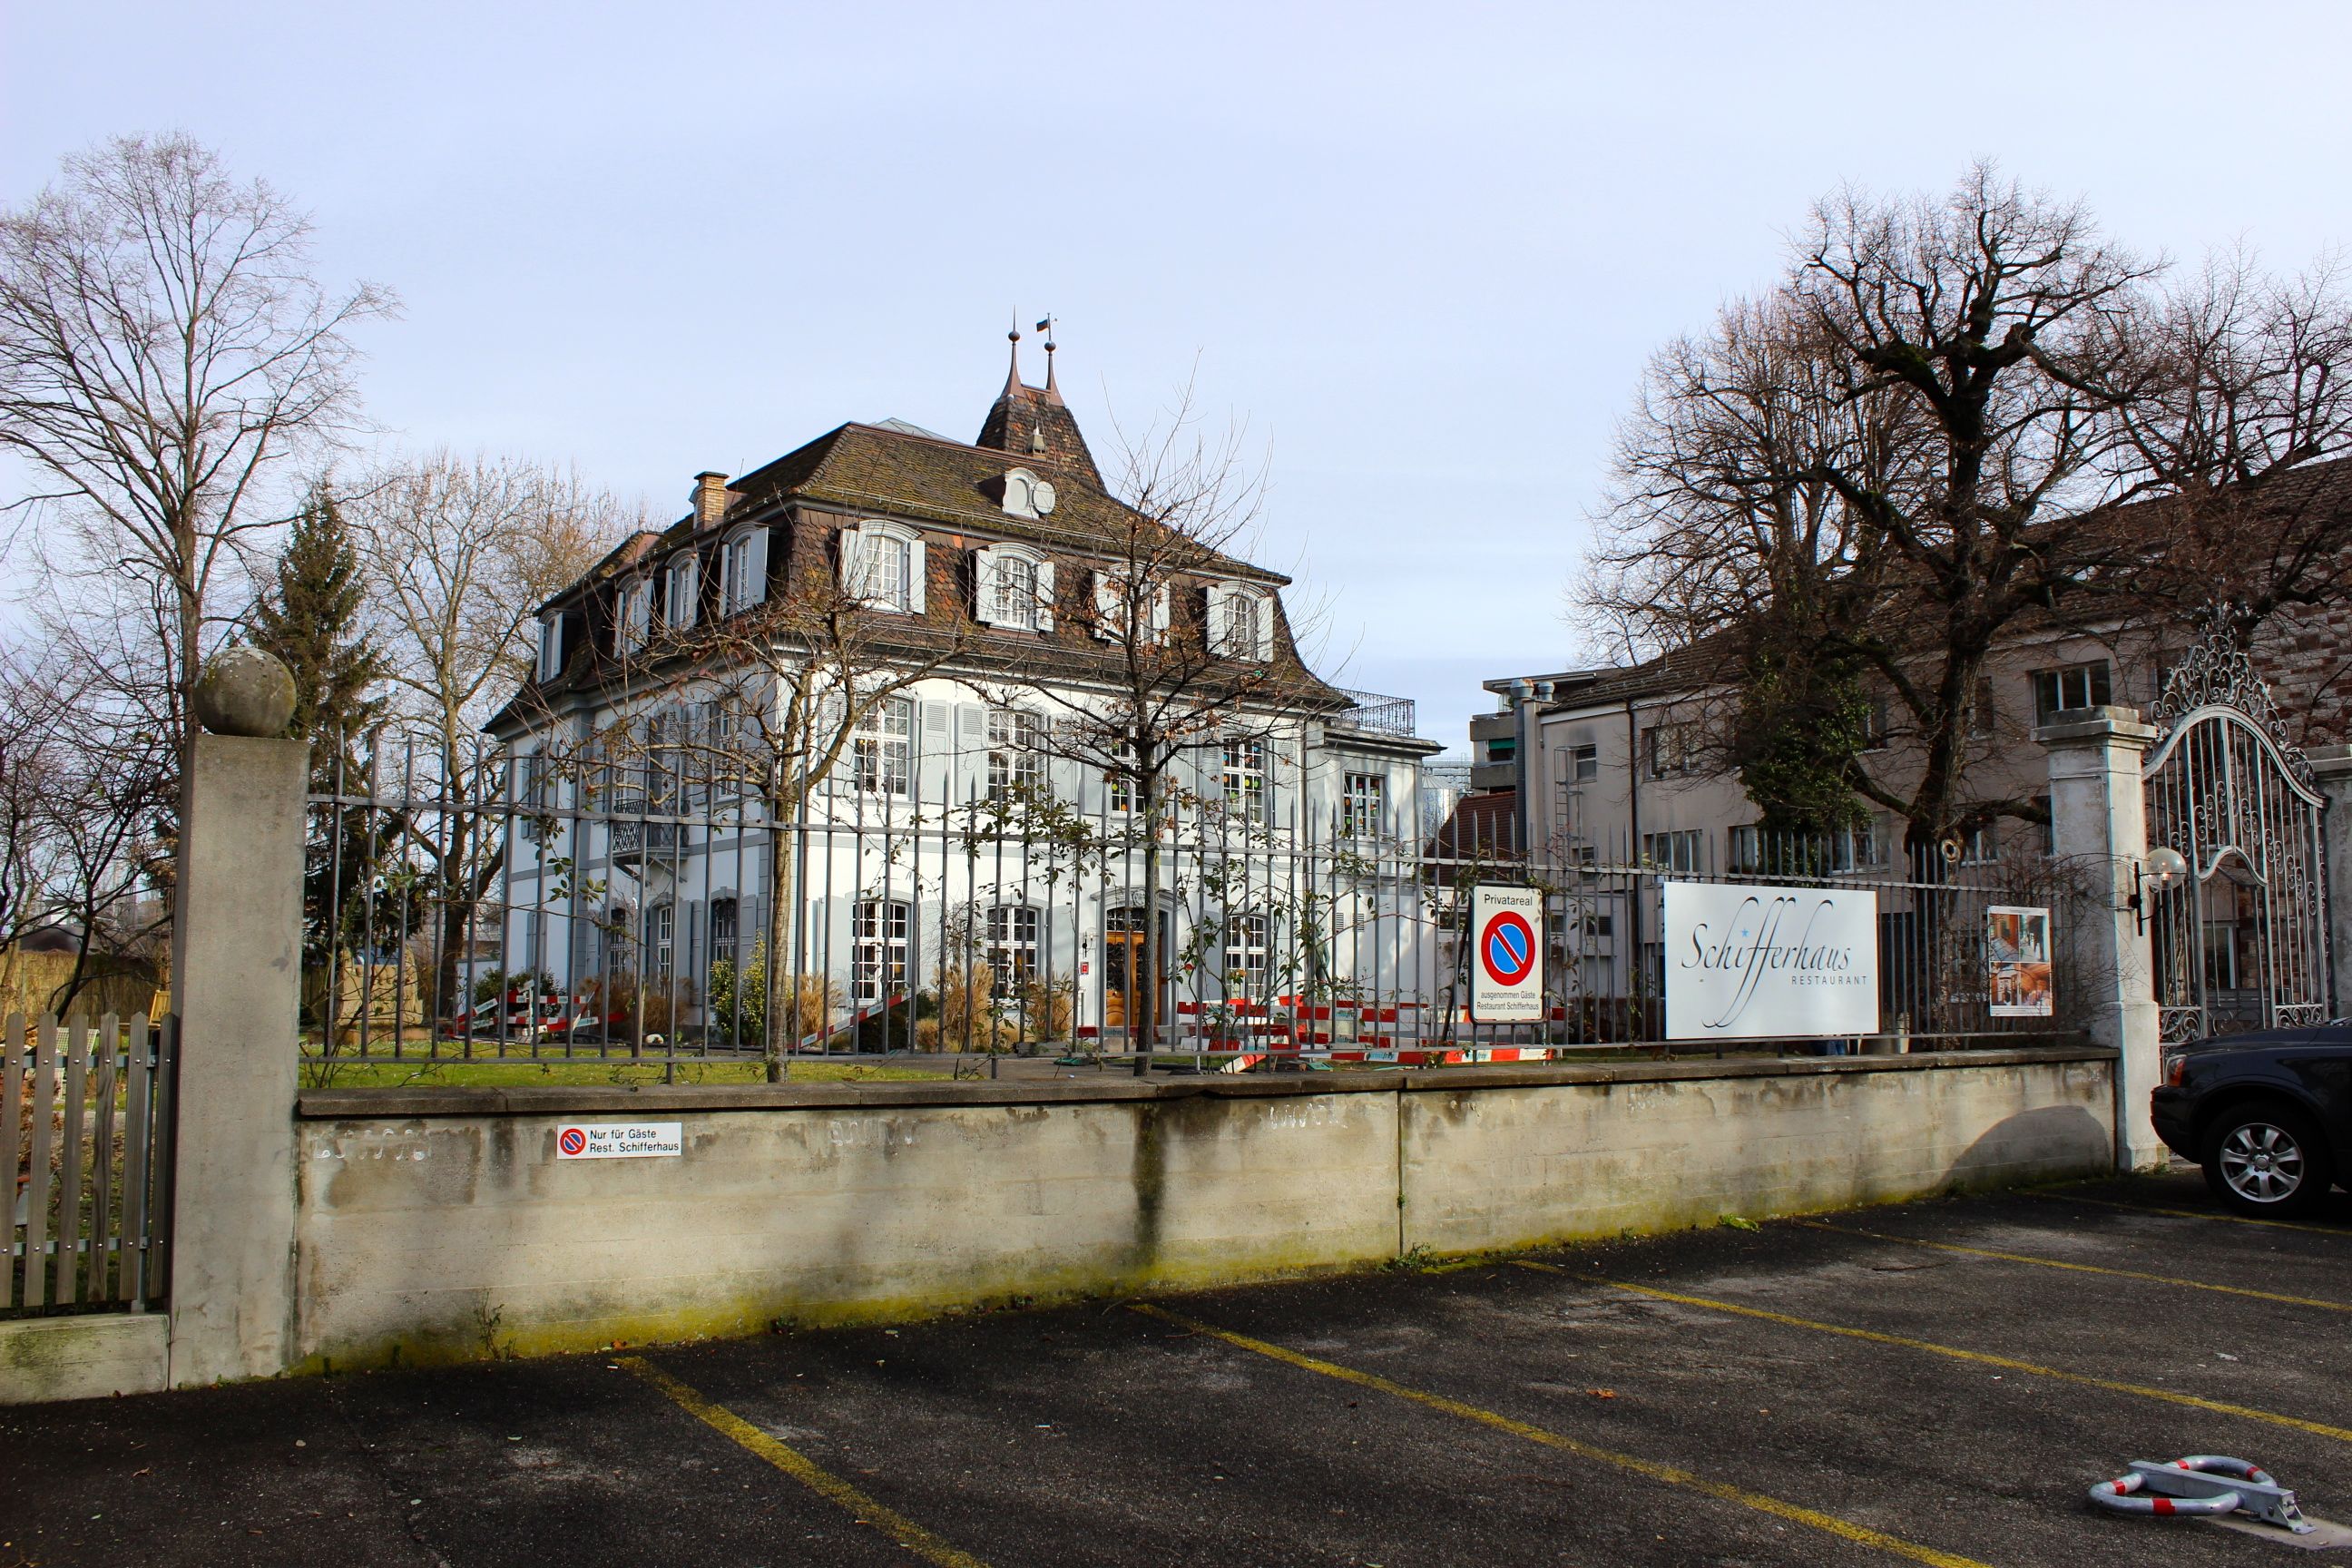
{"x":1278,"y":881}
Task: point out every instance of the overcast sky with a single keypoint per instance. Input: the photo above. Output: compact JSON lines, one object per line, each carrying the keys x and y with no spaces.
{"x":1423,"y":251}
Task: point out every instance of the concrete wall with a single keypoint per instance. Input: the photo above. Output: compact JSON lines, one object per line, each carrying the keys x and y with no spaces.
{"x":438,"y":1223}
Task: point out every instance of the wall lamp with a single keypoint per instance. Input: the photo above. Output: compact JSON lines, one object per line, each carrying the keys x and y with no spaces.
{"x":2154,"y":874}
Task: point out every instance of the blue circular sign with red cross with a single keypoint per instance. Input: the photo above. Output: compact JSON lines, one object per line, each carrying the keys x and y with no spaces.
{"x":1506,"y":948}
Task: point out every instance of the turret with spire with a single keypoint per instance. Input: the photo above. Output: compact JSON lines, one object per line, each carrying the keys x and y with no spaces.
{"x":1033,"y":421}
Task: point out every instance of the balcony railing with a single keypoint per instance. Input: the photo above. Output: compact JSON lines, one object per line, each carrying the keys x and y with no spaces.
{"x":644,"y":840}
{"x":1385,"y":715}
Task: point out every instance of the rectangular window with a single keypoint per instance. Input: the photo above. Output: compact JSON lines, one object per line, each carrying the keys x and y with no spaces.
{"x":1580,"y":764}
{"x":1015,"y":760}
{"x":1745,"y":847}
{"x":1853,"y":849}
{"x":1245,"y":779}
{"x":1012,"y":950}
{"x":883,"y":747}
{"x":878,"y":962}
{"x":1119,"y":786}
{"x":1983,"y":712}
{"x":661,"y":935}
{"x":678,"y":602}
{"x":550,"y":647}
{"x":1878,"y":724}
{"x":722,"y":930}
{"x":2057,"y":691}
{"x":1979,"y":846}
{"x":1672,"y":749}
{"x":1362,"y":804}
{"x":1245,"y":955}
{"x":1674,"y":851}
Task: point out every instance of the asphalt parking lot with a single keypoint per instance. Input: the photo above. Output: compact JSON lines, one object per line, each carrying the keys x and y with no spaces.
{"x":1937,"y":1382}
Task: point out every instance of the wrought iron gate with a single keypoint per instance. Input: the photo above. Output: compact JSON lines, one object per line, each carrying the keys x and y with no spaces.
{"x":2241,"y":944}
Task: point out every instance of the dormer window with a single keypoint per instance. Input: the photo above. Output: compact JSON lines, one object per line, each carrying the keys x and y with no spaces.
{"x":683,"y":595}
{"x":636,"y":614}
{"x":883,"y":565}
{"x":1112,"y":602}
{"x":743,"y":572}
{"x":1014,"y":588}
{"x":550,"y":646}
{"x":1026,"y":495}
{"x":1240,"y":622}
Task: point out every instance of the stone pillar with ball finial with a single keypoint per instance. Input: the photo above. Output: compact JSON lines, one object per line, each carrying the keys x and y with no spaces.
{"x":237,"y":984}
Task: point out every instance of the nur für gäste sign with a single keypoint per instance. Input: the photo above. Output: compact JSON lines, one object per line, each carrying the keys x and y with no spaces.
{"x":1747,"y":961}
{"x":619,"y":1140}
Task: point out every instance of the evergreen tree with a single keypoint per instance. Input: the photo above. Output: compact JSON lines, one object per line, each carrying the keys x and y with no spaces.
{"x":310,"y":618}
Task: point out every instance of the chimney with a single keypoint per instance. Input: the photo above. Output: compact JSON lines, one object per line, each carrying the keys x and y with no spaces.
{"x":709,"y":498}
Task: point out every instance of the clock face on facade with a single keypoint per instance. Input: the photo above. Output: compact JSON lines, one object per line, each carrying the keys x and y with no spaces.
{"x":1040,"y":497}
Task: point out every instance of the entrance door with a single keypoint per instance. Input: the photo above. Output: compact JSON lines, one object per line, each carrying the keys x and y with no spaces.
{"x":1123,"y":967}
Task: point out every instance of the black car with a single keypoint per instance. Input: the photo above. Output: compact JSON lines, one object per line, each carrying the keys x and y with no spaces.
{"x":2268,"y":1114}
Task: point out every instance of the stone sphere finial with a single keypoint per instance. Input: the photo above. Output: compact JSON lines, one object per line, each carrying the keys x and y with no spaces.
{"x":245,"y":691}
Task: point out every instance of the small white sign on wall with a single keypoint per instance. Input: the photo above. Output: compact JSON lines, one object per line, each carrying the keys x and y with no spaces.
{"x":619,"y":1140}
{"x":1750,"y":961}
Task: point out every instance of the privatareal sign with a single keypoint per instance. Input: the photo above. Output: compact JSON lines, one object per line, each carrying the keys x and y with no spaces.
{"x":619,"y":1140}
{"x":1745,"y":962}
{"x":1506,"y":958}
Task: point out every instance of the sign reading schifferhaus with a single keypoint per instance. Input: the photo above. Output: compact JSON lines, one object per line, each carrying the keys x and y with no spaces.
{"x":1745,"y":962}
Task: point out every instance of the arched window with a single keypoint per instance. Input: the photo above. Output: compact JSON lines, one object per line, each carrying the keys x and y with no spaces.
{"x":1013,"y":589}
{"x":1240,"y":622}
{"x":883,"y":565}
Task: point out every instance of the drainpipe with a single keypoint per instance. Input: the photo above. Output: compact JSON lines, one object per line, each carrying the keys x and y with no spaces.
{"x":1633,"y":844}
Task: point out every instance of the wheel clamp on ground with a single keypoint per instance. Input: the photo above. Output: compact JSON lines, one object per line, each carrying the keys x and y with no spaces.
{"x":2202,"y":1484}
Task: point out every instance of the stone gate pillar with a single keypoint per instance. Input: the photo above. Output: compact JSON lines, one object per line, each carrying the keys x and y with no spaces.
{"x":2331,"y":766}
{"x":2098,"y":820}
{"x":236,"y":984}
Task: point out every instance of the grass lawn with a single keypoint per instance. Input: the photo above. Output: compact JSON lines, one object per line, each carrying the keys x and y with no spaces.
{"x":525,"y":1074}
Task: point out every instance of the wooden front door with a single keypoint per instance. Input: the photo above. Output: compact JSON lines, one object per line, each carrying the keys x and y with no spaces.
{"x":1123,"y":969}
{"x":1122,"y":964}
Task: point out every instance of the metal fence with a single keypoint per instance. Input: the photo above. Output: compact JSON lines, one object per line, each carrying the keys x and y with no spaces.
{"x":88,"y":1146}
{"x":628,"y":910}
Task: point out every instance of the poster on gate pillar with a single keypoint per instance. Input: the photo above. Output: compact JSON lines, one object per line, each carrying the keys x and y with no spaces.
{"x":1505,"y":956}
{"x":1747,"y":961}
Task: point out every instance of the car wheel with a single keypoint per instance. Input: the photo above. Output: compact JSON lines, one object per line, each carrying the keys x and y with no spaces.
{"x":2265,"y":1158}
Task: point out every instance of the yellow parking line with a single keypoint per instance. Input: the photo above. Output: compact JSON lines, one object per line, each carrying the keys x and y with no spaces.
{"x":2198,"y":1214}
{"x":2085,"y":1268}
{"x":1846,"y":1530}
{"x":2007,"y":1363}
{"x":913,"y":1537}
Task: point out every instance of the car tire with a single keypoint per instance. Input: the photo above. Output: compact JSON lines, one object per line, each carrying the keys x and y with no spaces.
{"x":2267,"y":1158}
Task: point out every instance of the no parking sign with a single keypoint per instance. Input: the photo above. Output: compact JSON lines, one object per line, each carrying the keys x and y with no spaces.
{"x":1507,"y":957}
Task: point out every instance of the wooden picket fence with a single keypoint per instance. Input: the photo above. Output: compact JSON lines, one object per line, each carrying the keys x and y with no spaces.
{"x":87,"y":1142}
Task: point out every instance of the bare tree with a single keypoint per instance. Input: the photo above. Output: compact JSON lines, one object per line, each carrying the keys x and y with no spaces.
{"x":1170,"y":665}
{"x":459,"y":554}
{"x":766,"y":705}
{"x":1942,"y":423}
{"x":83,"y":798}
{"x":165,"y":353}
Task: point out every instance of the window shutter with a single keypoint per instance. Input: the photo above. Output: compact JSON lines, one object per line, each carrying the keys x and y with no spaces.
{"x":1265,"y":628}
{"x":1045,"y":596}
{"x":916,"y":574}
{"x":1106,"y":606}
{"x":984,"y":584}
{"x":853,"y":562}
{"x":1213,"y":620}
{"x":1160,"y":615}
